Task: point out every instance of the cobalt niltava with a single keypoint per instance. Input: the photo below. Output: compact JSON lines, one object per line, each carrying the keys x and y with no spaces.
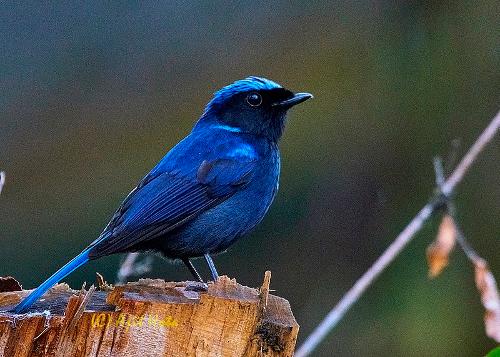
{"x":212,"y":188}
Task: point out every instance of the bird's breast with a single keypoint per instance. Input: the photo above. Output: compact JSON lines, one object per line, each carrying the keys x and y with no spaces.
{"x":217,"y":228}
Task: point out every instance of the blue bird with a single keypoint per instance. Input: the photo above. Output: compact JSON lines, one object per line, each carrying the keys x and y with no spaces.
{"x":212,"y":188}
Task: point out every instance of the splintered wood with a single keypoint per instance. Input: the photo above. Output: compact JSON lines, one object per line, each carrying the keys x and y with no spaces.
{"x":151,"y":318}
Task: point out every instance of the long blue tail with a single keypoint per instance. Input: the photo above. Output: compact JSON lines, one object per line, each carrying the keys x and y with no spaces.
{"x":71,"y":266}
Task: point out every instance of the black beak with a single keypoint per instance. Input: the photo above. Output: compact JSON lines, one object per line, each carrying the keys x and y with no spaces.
{"x":296,"y":99}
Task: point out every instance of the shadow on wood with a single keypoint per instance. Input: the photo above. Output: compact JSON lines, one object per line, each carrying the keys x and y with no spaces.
{"x":150,"y":318}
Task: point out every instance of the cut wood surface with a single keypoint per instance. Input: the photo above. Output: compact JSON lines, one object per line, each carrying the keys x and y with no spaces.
{"x":149,"y":318}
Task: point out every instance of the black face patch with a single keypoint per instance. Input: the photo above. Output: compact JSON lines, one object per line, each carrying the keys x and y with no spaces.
{"x":258,"y":115}
{"x":276,"y":95}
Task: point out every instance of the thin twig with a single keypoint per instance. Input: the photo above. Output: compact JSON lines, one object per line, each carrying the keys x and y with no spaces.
{"x":471,"y":254}
{"x":439,"y":171}
{"x":353,"y":295}
{"x":471,"y":155}
{"x":485,"y":281}
{"x":126,"y":268}
{"x":451,"y":210}
{"x":452,"y":157}
{"x":2,"y":180}
{"x":131,"y":267}
{"x":464,"y":244}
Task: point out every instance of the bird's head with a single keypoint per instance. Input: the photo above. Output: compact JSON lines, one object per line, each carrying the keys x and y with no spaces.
{"x":252,"y":105}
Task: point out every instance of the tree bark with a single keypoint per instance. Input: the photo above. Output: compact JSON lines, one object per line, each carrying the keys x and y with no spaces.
{"x":150,"y":318}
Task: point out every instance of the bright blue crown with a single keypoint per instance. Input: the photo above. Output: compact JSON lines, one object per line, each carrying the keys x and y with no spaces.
{"x":243,"y":85}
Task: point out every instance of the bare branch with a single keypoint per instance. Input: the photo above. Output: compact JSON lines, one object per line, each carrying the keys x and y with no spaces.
{"x":2,"y":180}
{"x":439,"y":171}
{"x":353,"y":295}
{"x":452,"y":157}
{"x":126,"y":268}
{"x":450,"y":208}
{"x":485,"y":283}
{"x":471,"y":155}
{"x":471,"y":254}
{"x":132,"y":267}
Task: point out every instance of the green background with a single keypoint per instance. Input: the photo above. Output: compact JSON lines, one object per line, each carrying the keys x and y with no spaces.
{"x":93,"y":95}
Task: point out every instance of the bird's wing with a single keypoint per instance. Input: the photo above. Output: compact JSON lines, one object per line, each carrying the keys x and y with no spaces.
{"x":169,"y":199}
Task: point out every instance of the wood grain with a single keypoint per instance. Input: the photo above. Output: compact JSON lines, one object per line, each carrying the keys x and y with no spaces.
{"x":151,"y":318}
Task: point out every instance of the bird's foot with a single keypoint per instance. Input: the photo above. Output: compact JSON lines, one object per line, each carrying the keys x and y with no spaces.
{"x":196,"y":286}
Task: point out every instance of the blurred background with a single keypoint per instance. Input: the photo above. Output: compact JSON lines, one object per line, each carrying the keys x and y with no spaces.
{"x":93,"y":95}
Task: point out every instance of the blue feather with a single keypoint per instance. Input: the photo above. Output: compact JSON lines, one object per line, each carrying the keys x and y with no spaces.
{"x":67,"y":269}
{"x":212,"y":188}
{"x":243,"y":85}
{"x":177,"y":190}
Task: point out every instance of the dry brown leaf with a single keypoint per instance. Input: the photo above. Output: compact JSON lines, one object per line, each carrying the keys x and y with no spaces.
{"x":487,"y":286}
{"x":439,"y":250}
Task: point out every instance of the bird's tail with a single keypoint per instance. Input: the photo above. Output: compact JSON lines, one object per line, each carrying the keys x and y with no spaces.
{"x":71,"y":266}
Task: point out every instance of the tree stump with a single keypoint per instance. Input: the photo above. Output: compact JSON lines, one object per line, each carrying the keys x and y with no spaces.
{"x":149,"y":318}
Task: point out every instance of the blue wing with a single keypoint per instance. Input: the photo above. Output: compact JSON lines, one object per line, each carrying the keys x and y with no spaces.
{"x":179,"y":188}
{"x":166,"y":200}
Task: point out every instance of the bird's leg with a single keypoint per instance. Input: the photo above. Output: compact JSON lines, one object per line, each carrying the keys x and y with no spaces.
{"x":192,"y":269}
{"x":211,"y":265}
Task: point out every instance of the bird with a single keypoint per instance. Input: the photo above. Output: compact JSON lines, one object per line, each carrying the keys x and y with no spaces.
{"x":209,"y":190}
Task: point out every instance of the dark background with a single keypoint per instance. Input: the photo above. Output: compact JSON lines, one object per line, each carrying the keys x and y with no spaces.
{"x":92,"y":96}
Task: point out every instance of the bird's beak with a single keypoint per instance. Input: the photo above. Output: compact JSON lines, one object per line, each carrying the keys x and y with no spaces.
{"x":296,"y":99}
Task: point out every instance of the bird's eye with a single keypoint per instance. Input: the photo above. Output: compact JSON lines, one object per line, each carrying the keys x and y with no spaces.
{"x":254,"y":99}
